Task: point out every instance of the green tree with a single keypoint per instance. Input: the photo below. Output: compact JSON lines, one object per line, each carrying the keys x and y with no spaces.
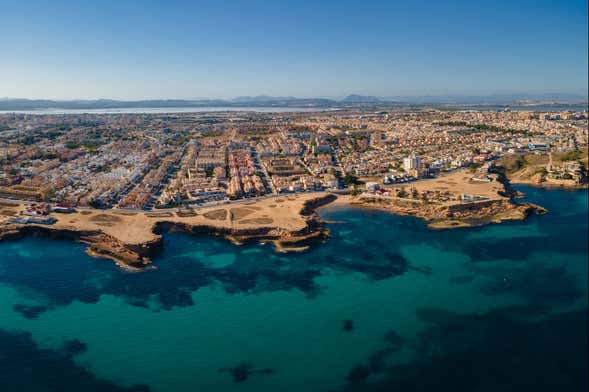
{"x":350,"y":179}
{"x":209,"y":171}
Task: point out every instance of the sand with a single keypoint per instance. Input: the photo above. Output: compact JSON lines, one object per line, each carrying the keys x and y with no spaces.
{"x":129,"y":237}
{"x":137,"y":227}
{"x":458,"y":182}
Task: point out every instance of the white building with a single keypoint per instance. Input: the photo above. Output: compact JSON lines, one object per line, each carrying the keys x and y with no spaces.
{"x":411,"y":163}
{"x":371,"y":187}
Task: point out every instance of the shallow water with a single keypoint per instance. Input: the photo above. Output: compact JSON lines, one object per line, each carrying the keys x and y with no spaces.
{"x":385,"y":304}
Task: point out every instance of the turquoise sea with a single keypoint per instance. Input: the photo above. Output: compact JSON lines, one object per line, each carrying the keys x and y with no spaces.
{"x":384,"y":305}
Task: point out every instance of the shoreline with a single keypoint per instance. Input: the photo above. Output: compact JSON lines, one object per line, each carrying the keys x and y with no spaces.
{"x":533,"y":170}
{"x":550,"y":185}
{"x":291,"y":223}
{"x":131,"y":239}
{"x":507,"y":211}
{"x":487,"y":202}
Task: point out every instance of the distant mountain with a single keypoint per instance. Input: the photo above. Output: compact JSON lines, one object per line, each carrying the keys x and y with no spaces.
{"x":263,"y":101}
{"x":32,"y":104}
{"x":515,"y":98}
{"x":261,"y":98}
{"x":355,"y":98}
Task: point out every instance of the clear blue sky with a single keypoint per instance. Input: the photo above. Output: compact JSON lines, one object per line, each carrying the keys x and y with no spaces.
{"x":188,"y":49}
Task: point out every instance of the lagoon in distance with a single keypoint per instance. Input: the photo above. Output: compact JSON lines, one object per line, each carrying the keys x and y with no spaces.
{"x":385,"y":304}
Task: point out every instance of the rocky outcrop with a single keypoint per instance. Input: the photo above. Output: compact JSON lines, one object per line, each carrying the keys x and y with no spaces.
{"x":137,"y":256}
{"x":310,"y":206}
{"x":495,"y":213}
{"x":454,"y":215}
{"x":128,"y":256}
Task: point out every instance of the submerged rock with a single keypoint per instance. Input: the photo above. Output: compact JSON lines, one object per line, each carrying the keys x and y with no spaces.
{"x":348,"y":325}
{"x":242,"y":371}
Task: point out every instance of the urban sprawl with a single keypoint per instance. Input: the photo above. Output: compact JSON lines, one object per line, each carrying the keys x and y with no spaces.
{"x":154,"y":161}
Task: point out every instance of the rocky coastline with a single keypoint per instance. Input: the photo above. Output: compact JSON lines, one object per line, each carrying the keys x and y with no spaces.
{"x":499,"y":204}
{"x":136,"y":256}
{"x":455,"y":216}
{"x":295,"y":228}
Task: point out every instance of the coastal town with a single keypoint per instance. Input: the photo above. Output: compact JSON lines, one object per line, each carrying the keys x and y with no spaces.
{"x":450,"y":167}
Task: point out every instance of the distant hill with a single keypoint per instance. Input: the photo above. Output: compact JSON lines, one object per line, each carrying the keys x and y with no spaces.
{"x":515,"y":98}
{"x":32,"y":104}
{"x":353,"y":100}
{"x":265,"y":100}
{"x":261,"y":98}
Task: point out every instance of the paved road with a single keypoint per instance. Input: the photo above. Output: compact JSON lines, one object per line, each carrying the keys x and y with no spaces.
{"x":199,"y":206}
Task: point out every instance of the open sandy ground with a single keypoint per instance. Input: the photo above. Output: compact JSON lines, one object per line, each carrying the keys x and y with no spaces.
{"x":137,"y":227}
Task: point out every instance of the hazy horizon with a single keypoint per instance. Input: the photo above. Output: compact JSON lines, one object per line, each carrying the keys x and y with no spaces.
{"x":516,"y":96}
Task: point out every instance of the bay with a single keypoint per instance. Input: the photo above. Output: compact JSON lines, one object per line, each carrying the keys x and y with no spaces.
{"x":384,"y":304}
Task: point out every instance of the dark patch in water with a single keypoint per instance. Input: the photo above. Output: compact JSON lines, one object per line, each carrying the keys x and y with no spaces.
{"x":535,"y":282}
{"x":30,"y":311}
{"x":425,"y":270}
{"x":435,"y":315}
{"x":521,"y":248}
{"x":358,"y":374}
{"x":348,"y":325}
{"x":173,"y":282}
{"x":244,"y":370}
{"x":376,"y":361}
{"x":394,"y":340}
{"x":26,"y":367}
{"x":377,"y":266}
{"x":497,"y":351}
{"x":74,"y":346}
{"x":462,"y":279}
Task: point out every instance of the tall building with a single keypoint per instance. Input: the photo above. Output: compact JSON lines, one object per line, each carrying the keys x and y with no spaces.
{"x":411,"y":163}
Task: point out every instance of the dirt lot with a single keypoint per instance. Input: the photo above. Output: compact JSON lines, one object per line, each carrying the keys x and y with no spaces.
{"x":220,"y":214}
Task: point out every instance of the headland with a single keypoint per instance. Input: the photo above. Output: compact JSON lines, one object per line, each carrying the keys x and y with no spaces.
{"x":131,"y":238}
{"x":290,"y":222}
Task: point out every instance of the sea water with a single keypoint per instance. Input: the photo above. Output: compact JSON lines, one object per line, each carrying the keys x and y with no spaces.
{"x":384,"y":304}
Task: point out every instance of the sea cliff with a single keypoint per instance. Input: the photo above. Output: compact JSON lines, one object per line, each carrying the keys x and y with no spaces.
{"x":109,"y":234}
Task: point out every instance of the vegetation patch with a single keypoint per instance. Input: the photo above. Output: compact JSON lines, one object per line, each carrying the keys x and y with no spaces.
{"x":216,"y":214}
{"x":104,"y":218}
{"x":238,"y":213}
{"x":261,"y":221}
